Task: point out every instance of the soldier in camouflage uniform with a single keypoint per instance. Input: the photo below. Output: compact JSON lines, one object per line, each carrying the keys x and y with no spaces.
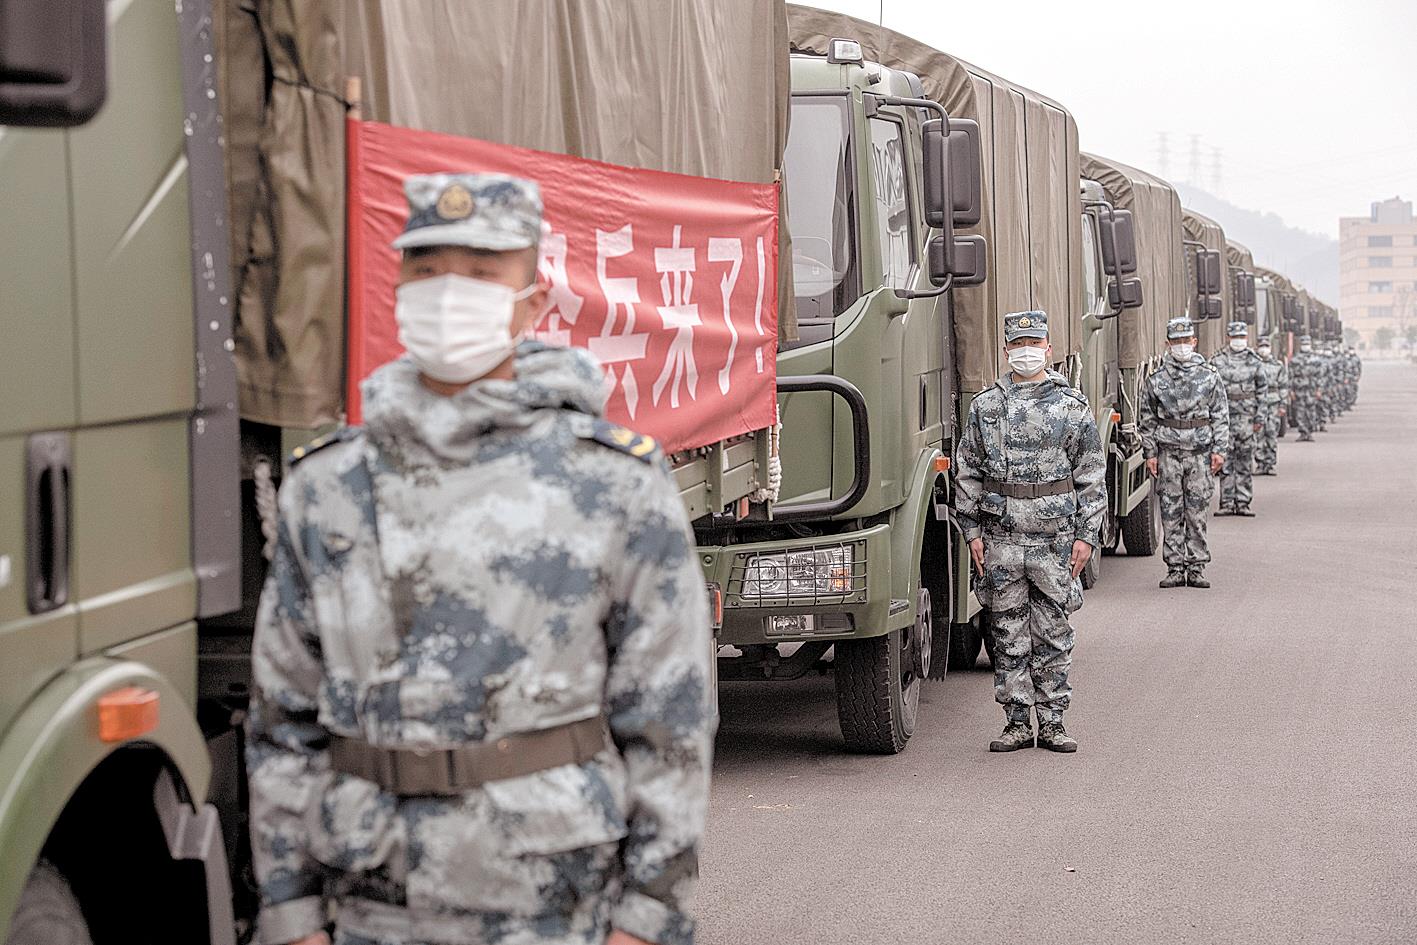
{"x":1245,"y":389}
{"x":1184,"y":421}
{"x":1303,"y":381}
{"x":482,"y":708}
{"x":1272,"y":407}
{"x":1323,"y":402}
{"x":1031,"y":495}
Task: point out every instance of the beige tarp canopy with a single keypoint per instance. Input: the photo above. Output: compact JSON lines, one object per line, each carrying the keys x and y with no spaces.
{"x":675,"y":85}
{"x":1156,"y":215}
{"x":1210,"y":334}
{"x":1032,"y":217}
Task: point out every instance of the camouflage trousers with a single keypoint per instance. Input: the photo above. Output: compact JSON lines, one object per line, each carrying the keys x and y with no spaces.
{"x":1303,"y":414}
{"x":1237,"y":478}
{"x":1030,"y":591}
{"x":1267,"y":441}
{"x":1184,"y":485}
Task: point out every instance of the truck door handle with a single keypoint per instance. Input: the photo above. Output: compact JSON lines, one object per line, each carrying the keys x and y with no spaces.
{"x":48,"y":478}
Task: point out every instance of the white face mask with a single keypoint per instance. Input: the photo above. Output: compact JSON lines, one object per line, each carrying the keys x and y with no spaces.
{"x":1183,"y":352}
{"x":1306,"y":348}
{"x":1264,"y":352}
{"x":1238,"y":344}
{"x":454,"y":328}
{"x":1027,"y":361}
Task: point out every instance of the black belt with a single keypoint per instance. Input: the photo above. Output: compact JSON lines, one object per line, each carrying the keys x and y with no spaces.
{"x":1028,"y":490}
{"x":1243,"y":395}
{"x":1185,"y":424}
{"x":415,"y":772}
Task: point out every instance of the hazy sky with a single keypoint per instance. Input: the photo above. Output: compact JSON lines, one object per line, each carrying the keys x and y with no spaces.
{"x":1312,"y":103}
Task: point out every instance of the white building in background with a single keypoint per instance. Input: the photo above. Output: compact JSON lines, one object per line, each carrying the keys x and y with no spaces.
{"x":1377,"y":270}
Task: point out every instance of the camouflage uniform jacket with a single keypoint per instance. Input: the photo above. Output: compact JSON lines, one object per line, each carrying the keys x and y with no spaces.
{"x":1245,"y":387}
{"x":1304,"y":373}
{"x":462,"y":569}
{"x":1183,"y":390}
{"x":1277,"y":381}
{"x":1034,"y":433}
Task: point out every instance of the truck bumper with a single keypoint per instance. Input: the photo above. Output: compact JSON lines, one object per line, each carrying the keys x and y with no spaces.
{"x":841,"y":582}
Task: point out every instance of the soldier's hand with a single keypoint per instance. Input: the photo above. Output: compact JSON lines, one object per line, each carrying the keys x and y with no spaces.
{"x":1259,"y":427}
{"x":1217,"y":463}
{"x":976,"y":551}
{"x":1152,"y":465}
{"x":624,"y":938}
{"x":1082,"y":552}
{"x":316,"y":938}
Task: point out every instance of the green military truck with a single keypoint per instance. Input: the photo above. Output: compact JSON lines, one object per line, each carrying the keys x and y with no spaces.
{"x":172,"y":304}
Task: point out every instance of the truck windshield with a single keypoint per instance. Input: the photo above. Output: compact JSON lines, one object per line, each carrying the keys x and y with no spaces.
{"x":819,"y":207}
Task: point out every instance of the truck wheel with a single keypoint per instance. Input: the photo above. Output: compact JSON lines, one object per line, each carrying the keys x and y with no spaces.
{"x":1141,"y":530}
{"x":965,"y":641}
{"x":48,"y":913}
{"x":1092,"y":571}
{"x":877,"y":692}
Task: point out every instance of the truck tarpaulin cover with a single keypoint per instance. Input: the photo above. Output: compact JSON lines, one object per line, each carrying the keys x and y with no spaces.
{"x":1210,"y":334}
{"x":1032,"y":216}
{"x":697,"y":87}
{"x":1156,"y":216}
{"x":669,"y":280}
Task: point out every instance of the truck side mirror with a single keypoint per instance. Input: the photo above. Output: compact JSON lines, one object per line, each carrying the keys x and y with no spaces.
{"x":1209,"y":307}
{"x":965,"y":175}
{"x":1119,"y":244}
{"x":1208,"y":273}
{"x":53,"y":61}
{"x":1124,"y":294}
{"x":969,"y":264}
{"x":1245,"y":290}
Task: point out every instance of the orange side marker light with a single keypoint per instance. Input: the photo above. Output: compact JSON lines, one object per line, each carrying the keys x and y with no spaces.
{"x":942,"y":464}
{"x":1116,"y":417}
{"x":126,"y":713}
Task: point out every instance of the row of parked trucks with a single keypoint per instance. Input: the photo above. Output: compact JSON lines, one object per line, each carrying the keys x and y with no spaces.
{"x":173,"y":285}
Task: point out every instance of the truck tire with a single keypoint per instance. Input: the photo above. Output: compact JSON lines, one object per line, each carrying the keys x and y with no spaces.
{"x":48,"y":913}
{"x":877,"y":693}
{"x":965,"y":642}
{"x":1092,"y":571}
{"x":1141,"y":530}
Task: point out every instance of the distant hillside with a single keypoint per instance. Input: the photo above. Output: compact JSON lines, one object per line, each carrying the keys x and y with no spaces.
{"x":1310,"y":259}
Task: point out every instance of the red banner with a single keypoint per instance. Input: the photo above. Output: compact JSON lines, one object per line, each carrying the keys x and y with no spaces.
{"x":669,"y":280}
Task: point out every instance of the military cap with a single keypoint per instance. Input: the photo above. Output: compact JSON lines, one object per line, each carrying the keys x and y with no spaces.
{"x":1237,"y":330}
{"x":1025,"y":325}
{"x":1180,"y":328}
{"x":483,"y":211}
{"x":1305,"y":339}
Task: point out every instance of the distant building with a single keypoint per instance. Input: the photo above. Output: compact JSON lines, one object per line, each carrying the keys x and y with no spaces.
{"x":1377,"y":270}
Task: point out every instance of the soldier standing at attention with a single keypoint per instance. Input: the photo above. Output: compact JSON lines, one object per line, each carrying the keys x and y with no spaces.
{"x":1032,"y":493}
{"x":1303,"y":378}
{"x":1184,"y":422}
{"x":1272,"y":407}
{"x":482,"y":710}
{"x":1245,"y":388}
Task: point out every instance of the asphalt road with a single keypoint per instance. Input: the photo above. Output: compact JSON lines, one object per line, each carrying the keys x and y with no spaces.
{"x":1248,"y":761}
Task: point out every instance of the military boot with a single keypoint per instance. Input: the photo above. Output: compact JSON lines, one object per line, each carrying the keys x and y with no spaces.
{"x":1017,"y":734}
{"x":1224,"y":510}
{"x":1306,"y":438}
{"x":1052,"y":736}
{"x":1195,"y":577}
{"x":1244,"y":511}
{"x":1174,"y":578}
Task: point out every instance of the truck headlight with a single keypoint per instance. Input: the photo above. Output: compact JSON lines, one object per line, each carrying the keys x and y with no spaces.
{"x":816,"y":572}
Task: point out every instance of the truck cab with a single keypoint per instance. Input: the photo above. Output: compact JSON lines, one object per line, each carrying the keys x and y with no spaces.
{"x":854,"y":559}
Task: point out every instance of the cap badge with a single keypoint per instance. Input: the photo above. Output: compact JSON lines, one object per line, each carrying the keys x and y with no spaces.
{"x":1025,"y":322}
{"x":455,"y":203}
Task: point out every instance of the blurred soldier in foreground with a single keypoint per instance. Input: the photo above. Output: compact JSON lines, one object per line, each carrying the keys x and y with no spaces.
{"x":1184,"y":422}
{"x":1032,"y":492}
{"x":1243,"y":372}
{"x":1272,"y":408}
{"x":1304,"y":377}
{"x":482,"y":709}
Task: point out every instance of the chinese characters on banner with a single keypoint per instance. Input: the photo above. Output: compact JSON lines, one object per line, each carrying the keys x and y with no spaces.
{"x":669,"y":280}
